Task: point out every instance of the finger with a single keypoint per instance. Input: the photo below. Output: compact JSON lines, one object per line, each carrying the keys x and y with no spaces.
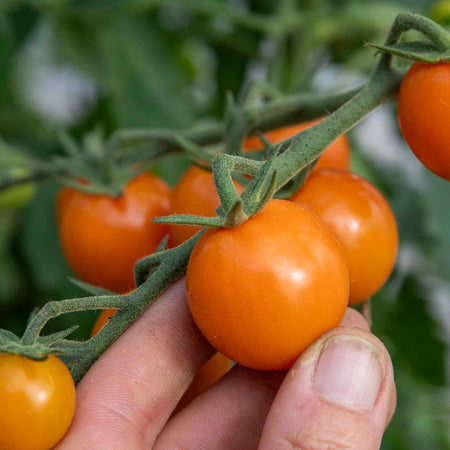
{"x":232,"y":413}
{"x":129,"y":393}
{"x":337,"y":395}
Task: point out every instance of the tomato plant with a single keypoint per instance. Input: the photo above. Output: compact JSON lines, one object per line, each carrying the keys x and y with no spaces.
{"x":37,"y":402}
{"x":251,"y":286}
{"x":363,"y":222}
{"x":335,"y":155}
{"x":102,"y":237}
{"x":424,"y":115}
{"x":195,"y":193}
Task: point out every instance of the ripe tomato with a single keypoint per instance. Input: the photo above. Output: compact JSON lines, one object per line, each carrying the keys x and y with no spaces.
{"x":102,"y":319}
{"x":195,"y":193}
{"x":102,"y":237}
{"x":37,"y":402}
{"x":209,"y":373}
{"x":336,"y":154}
{"x":424,"y":115}
{"x":363,"y":222}
{"x":262,"y":292}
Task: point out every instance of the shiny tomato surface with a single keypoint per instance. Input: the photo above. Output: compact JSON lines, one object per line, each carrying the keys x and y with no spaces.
{"x":37,"y":402}
{"x":424,"y":115}
{"x":265,"y":290}
{"x":102,"y":237}
{"x":363,"y":222}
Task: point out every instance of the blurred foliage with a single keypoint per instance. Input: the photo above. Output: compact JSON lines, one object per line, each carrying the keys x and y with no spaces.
{"x":77,"y":64}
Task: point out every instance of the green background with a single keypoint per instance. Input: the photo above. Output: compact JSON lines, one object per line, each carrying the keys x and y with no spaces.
{"x":76,"y":65}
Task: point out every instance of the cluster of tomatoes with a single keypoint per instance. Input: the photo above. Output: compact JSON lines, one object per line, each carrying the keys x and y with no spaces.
{"x":260,"y":292}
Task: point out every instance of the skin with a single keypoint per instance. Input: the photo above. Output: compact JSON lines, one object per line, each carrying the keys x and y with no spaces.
{"x":424,"y":115}
{"x":132,"y":408}
{"x":363,"y":222}
{"x":336,"y":155}
{"x":102,"y":237}
{"x":195,"y":193}
{"x":249,"y":287}
{"x":206,"y":376}
{"x":37,"y":402}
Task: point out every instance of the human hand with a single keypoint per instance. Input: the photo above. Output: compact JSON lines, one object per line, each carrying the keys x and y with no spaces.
{"x":339,"y":394}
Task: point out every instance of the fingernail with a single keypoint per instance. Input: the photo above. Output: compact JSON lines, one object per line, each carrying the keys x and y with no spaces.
{"x":349,"y":372}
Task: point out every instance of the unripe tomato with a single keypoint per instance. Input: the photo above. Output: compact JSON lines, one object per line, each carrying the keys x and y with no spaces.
{"x":335,"y":155}
{"x":363,"y":222}
{"x":208,"y":374}
{"x":102,"y":237}
{"x":424,"y":115}
{"x":37,"y":402}
{"x":195,"y":193}
{"x":262,"y":292}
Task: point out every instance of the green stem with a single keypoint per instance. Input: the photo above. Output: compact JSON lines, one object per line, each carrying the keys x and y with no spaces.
{"x":56,"y":308}
{"x":284,"y":111}
{"x":173,"y":267}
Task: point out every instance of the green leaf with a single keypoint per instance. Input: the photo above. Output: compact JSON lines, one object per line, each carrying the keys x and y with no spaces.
{"x":412,"y":333}
{"x":415,"y":51}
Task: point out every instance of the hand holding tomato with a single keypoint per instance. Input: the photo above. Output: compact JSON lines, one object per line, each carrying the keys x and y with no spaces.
{"x":339,"y":392}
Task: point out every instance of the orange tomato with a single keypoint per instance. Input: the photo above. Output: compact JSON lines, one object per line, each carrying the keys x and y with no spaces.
{"x":208,"y":374}
{"x":195,"y":193}
{"x":363,"y":222}
{"x":335,"y":155}
{"x":262,"y":292}
{"x":102,"y":237}
{"x":37,"y":402}
{"x":424,"y":115}
{"x":102,"y":320}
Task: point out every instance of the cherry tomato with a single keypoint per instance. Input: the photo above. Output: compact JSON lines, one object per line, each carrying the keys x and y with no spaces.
{"x":336,"y":154}
{"x":102,"y":320}
{"x":209,"y":373}
{"x":363,"y":222}
{"x":37,"y":401}
{"x":195,"y":193}
{"x":424,"y":115}
{"x":102,"y":237}
{"x":262,"y":292}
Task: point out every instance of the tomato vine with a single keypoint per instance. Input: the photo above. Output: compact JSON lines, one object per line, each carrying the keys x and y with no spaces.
{"x":289,"y":160}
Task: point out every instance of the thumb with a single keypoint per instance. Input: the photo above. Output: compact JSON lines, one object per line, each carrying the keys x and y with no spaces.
{"x":339,"y":394}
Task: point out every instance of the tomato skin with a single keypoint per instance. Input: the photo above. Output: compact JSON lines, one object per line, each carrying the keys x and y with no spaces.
{"x":335,"y":155}
{"x":37,"y":402}
{"x":195,"y":193}
{"x":102,"y":320}
{"x":257,"y":291}
{"x":207,"y":375}
{"x":363,"y":222}
{"x":424,"y":114}
{"x":102,"y":237}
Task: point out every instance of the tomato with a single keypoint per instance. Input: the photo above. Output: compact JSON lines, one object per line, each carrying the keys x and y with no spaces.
{"x":363,"y":222}
{"x":424,"y":115}
{"x":262,"y":292}
{"x":195,"y":193}
{"x":102,"y":320}
{"x":208,"y":374}
{"x":37,"y":401}
{"x":336,"y":154}
{"x":102,"y":237}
